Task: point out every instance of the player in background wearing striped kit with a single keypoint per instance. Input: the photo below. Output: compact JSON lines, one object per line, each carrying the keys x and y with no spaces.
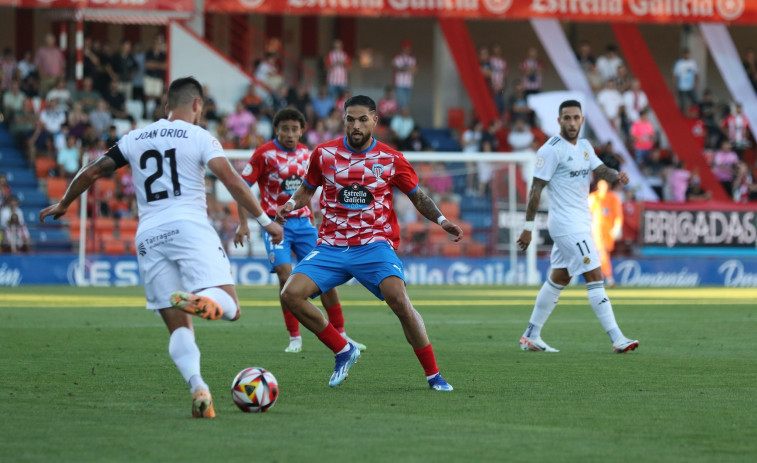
{"x":404,"y":66}
{"x":337,"y":64}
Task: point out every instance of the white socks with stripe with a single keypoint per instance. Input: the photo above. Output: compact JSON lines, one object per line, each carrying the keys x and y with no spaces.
{"x":546,"y":301}
{"x":602,"y":307}
{"x":186,"y":355}
{"x":223,"y":299}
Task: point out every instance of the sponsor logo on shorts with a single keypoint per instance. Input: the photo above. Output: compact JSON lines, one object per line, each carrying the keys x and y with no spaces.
{"x":355,"y":196}
{"x":158,"y":240}
{"x":586,"y":260}
{"x":291,"y":183}
{"x":272,"y":257}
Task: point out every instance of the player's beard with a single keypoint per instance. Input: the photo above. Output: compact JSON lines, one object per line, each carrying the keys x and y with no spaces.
{"x":564,"y":134}
{"x":357,"y":141}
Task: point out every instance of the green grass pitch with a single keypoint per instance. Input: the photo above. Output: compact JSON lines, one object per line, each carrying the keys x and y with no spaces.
{"x":85,"y":376}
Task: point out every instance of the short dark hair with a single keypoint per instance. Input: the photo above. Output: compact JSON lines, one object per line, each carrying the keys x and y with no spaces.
{"x":569,"y":104}
{"x":360,"y":100}
{"x":289,"y":114}
{"x":183,"y":91}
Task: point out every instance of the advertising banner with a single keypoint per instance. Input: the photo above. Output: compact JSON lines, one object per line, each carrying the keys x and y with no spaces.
{"x":699,"y":225}
{"x":16,"y":270}
{"x":143,"y":5}
{"x":650,"y":11}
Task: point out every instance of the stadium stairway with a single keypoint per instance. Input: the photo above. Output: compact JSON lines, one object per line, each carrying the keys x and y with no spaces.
{"x":50,"y":236}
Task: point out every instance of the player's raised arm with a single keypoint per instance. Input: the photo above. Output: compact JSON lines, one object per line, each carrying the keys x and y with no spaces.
{"x":86,"y":176}
{"x":610,"y":175}
{"x":241,"y":193}
{"x":534,"y":198}
{"x":428,"y":209}
{"x":300,"y":198}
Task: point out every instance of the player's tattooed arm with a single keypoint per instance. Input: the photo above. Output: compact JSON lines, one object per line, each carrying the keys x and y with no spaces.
{"x":610,"y":175}
{"x":425,"y":205}
{"x":534,"y":198}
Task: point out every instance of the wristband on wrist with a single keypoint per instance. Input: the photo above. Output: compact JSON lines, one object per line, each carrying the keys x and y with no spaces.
{"x":291,"y":201}
{"x":441,"y":219}
{"x":263,"y":220}
{"x":529,"y":226}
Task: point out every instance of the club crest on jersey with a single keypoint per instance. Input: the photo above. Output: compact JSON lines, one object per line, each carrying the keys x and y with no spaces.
{"x":540,"y":162}
{"x":377,"y":169}
{"x":355,"y":196}
{"x":586,"y":155}
{"x":291,"y":183}
{"x":586,"y":260}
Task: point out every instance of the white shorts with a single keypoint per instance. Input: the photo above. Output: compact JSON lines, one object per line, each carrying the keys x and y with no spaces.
{"x":180,"y":256}
{"x":575,"y":252}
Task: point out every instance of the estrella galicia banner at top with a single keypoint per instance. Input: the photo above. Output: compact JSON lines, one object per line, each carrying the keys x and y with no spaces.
{"x":639,"y":11}
{"x":141,"y":5}
{"x":104,"y":271}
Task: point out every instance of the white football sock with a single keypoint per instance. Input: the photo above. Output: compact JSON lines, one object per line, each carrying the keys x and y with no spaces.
{"x":185,"y":354}
{"x":546,"y":301}
{"x":223,"y":299}
{"x":602,"y":307}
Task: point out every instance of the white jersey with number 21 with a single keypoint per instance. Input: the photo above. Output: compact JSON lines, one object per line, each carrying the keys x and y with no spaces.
{"x":168,"y":160}
{"x":567,"y":168}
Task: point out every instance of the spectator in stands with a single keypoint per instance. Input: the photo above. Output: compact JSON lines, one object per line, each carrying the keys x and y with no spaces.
{"x":677,"y":182}
{"x":87,"y":96}
{"x":750,"y":67}
{"x":531,"y":69}
{"x":50,"y":63}
{"x":584,"y":56}
{"x":61,"y":94}
{"x":635,"y":100}
{"x":653,"y":169}
{"x":318,"y":134}
{"x":13,"y":100}
{"x":239,"y":123}
{"x":16,"y":236}
{"x":267,"y":73}
{"x":484,"y":63}
{"x":26,"y":66}
{"x":116,"y":100}
{"x":608,"y":64}
{"x":11,"y":207}
{"x":52,"y":118}
{"x":643,"y":137}
{"x":622,"y":79}
{"x":252,"y":100}
{"x":338,"y":64}
{"x":323,"y":103}
{"x":122,"y":68}
{"x":707,"y":111}
{"x":440,"y":185}
{"x":405,"y":66}
{"x":155,"y":73}
{"x":8,"y":66}
{"x":415,"y":141}
{"x":24,"y":122}
{"x":736,"y":128}
{"x":695,"y":192}
{"x":92,"y":66}
{"x":744,"y":187}
{"x":69,"y":158}
{"x":334,"y":122}
{"x":403,"y":123}
{"x":5,"y":189}
{"x":101,"y":118}
{"x":686,"y":76}
{"x":471,"y":143}
{"x":498,"y":78}
{"x":609,"y":157}
{"x":595,"y":79}
{"x":299,"y":98}
{"x":697,"y":127}
{"x":484,"y":169}
{"x":112,"y":136}
{"x":518,"y":104}
{"x":279,"y":99}
{"x":344,"y":96}
{"x":387,"y":106}
{"x":138,"y":81}
{"x":724,"y":165}
{"x":520,"y":136}
{"x":611,"y":101}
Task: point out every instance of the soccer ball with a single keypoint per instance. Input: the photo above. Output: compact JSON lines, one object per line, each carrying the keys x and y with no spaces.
{"x":254,"y":390}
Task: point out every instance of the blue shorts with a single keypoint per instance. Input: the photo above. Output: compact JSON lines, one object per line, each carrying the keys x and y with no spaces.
{"x":300,"y":236}
{"x":331,"y":266}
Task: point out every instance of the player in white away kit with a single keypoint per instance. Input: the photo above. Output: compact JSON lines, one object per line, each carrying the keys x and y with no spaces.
{"x":177,"y":249}
{"x":564,"y":165}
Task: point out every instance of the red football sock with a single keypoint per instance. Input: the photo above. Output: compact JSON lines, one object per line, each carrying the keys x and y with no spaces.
{"x":293,"y":326}
{"x":333,"y":340}
{"x":335,"y":317}
{"x":428,"y":360}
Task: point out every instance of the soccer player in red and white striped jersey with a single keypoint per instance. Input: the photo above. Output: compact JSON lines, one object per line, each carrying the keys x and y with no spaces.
{"x":338,"y":64}
{"x":359,"y":234}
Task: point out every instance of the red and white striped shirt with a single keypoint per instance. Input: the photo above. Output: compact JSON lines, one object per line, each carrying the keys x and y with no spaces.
{"x":337,"y":63}
{"x":737,"y":125}
{"x":499,"y":71}
{"x":404,"y":67}
{"x":531,"y":70}
{"x":357,"y":192}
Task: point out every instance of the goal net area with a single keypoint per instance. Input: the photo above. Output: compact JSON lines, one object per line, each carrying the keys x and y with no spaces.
{"x":484,"y":193}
